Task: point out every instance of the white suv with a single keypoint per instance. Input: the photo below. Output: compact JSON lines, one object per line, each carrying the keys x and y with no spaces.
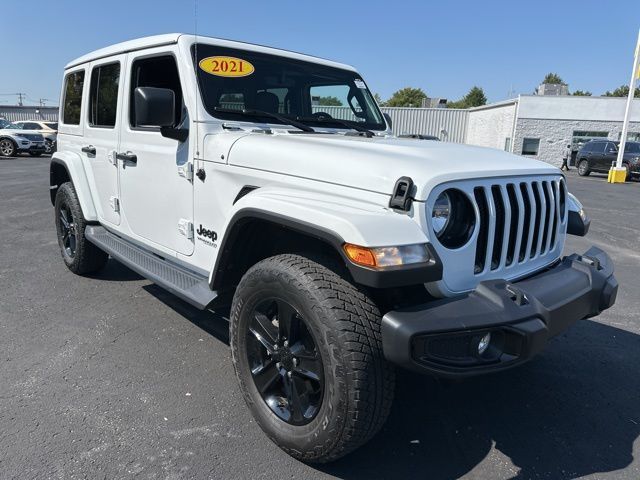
{"x":212,"y":168}
{"x":49,"y":131}
{"x":14,"y":140}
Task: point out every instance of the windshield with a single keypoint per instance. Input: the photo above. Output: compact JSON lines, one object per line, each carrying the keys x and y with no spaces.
{"x":235,"y":80}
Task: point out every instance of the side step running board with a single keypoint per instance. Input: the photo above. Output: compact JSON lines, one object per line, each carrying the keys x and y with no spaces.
{"x":188,"y":285}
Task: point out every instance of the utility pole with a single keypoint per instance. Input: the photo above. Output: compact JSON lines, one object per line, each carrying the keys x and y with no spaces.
{"x":617,"y":174}
{"x":20,"y":95}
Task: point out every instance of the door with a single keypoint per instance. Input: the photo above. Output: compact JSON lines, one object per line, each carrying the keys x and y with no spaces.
{"x":610,"y":155}
{"x":156,"y":192}
{"x":101,"y":135}
{"x":596,"y":156}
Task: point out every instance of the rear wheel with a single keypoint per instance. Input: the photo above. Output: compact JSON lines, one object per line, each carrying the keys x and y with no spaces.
{"x":7,"y":147}
{"x":79,"y":255}
{"x":307,"y":352}
{"x":583,"y":168}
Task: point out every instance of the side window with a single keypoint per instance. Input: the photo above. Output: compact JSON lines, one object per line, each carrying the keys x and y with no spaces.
{"x":587,"y":147}
{"x":611,"y":148}
{"x":158,"y":72}
{"x":530,"y":146}
{"x":597,"y":147}
{"x":31,"y":126}
{"x":73,"y":86}
{"x":103,"y":95}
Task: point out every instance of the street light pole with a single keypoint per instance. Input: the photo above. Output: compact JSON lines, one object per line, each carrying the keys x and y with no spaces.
{"x":627,"y":111}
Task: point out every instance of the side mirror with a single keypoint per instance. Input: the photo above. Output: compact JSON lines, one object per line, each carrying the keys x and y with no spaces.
{"x":155,"y":107}
{"x":387,"y":117}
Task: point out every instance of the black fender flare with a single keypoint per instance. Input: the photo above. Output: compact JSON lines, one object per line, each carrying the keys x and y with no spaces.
{"x":400,"y":276}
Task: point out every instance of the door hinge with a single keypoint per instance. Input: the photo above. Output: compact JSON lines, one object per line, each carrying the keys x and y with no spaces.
{"x":185,"y":227}
{"x":186,"y":170}
{"x":115,"y":204}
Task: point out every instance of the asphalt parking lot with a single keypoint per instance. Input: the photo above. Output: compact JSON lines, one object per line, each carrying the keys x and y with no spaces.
{"x":111,"y":377}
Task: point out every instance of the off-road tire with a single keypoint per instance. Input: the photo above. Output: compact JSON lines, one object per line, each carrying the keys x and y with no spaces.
{"x":87,"y":258}
{"x":345,"y":323}
{"x":583,"y":168}
{"x":8,"y":148}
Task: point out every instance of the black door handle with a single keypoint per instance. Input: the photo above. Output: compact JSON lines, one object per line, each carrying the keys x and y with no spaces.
{"x":127,"y":157}
{"x":90,"y":149}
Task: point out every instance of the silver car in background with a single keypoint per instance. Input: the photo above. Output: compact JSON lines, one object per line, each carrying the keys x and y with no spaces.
{"x":14,"y":141}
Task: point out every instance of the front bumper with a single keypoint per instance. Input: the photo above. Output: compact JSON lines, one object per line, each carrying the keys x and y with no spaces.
{"x":443,"y":337}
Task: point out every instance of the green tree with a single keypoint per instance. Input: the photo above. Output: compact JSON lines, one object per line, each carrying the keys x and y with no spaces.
{"x":622,"y":91}
{"x":581,"y":93}
{"x":407,"y":97}
{"x":329,"y":101}
{"x":378,"y":99}
{"x":474,"y":98}
{"x":553,"y":78}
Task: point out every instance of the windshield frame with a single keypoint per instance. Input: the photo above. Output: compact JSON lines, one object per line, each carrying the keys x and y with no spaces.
{"x":352,"y":79}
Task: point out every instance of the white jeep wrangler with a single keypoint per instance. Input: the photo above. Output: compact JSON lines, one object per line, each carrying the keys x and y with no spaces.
{"x":269,"y":181}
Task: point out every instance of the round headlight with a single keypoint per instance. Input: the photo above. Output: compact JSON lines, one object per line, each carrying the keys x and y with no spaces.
{"x":453,"y":218}
{"x":441,"y":213}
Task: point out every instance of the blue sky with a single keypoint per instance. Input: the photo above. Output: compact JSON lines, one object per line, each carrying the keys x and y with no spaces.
{"x":443,"y":47}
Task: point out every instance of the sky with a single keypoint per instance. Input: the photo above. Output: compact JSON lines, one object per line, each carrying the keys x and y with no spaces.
{"x":442,"y":47}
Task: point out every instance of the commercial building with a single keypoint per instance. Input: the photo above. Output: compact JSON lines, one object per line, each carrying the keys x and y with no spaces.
{"x":15,"y":113}
{"x":542,"y":126}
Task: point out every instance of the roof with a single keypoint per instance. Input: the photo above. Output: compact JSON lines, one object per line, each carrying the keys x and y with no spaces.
{"x":174,"y":38}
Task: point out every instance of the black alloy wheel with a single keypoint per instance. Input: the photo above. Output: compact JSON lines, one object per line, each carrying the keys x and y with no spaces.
{"x":285,"y":362}
{"x":67,"y":230}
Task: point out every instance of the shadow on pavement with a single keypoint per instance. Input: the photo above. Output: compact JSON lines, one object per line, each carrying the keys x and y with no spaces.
{"x":572,"y":411}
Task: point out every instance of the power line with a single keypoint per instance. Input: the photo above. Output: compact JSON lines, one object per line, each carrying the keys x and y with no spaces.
{"x":20,"y":96}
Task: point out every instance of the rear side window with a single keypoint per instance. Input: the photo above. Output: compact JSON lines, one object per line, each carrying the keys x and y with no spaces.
{"x":158,"y":72}
{"x":73,"y":85}
{"x":103,"y":95}
{"x":31,"y":126}
{"x":632,"y":148}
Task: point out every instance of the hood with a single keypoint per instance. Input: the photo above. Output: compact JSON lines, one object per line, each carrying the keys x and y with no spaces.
{"x":374,"y":164}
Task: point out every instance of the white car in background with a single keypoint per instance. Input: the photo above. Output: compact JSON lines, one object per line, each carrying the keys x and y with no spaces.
{"x":49,"y":131}
{"x":14,"y":141}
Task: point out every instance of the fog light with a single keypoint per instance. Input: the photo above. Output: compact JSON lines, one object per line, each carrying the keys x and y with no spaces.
{"x":483,"y":344}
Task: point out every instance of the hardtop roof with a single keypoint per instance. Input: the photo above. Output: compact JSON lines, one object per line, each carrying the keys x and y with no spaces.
{"x":174,"y":38}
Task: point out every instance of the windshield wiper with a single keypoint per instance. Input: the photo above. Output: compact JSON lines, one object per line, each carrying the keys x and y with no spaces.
{"x":326,"y":118}
{"x":261,"y":113}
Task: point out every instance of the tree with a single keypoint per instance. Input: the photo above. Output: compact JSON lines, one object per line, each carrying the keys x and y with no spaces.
{"x":622,"y":91}
{"x":407,"y":97}
{"x":329,"y":101}
{"x":474,"y":98}
{"x":553,"y":78}
{"x":378,"y":99}
{"x":581,"y":93}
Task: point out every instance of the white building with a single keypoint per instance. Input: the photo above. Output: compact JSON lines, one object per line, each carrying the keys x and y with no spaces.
{"x":542,"y":126}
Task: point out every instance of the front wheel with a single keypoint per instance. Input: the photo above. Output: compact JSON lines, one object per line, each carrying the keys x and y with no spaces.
{"x":583,"y":168}
{"x":7,"y":148}
{"x":307,"y":352}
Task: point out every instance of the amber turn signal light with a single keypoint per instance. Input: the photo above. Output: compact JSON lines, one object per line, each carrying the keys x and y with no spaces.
{"x":360,"y":255}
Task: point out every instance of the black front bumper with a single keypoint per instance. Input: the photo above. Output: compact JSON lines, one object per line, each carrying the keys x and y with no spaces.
{"x":444,"y":337}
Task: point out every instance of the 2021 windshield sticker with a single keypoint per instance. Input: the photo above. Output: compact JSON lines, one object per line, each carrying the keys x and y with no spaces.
{"x":359,"y":83}
{"x":226,"y":66}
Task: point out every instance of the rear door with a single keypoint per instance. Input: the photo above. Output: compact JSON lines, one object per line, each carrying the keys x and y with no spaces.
{"x":155,"y":189}
{"x":101,"y":131}
{"x":596,"y":156}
